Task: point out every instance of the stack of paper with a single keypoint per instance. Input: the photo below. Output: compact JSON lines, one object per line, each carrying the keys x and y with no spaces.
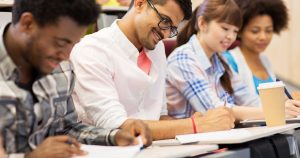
{"x":214,"y":137}
{"x":95,"y":151}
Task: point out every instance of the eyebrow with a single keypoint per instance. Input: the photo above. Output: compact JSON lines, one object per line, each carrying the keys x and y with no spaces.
{"x":63,"y":39}
{"x":167,"y":17}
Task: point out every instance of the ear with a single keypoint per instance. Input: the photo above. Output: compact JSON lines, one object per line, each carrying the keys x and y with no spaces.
{"x":202,"y":24}
{"x":139,"y":4}
{"x":27,"y":23}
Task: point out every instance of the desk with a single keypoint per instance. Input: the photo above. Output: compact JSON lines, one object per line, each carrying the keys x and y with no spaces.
{"x":175,"y":151}
{"x":247,"y":134}
{"x":233,"y":144}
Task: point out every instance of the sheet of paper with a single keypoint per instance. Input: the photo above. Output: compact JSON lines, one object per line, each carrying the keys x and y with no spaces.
{"x":96,"y":151}
{"x":213,"y":136}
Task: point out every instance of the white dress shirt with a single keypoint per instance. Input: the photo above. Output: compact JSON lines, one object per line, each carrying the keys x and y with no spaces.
{"x":110,"y":87}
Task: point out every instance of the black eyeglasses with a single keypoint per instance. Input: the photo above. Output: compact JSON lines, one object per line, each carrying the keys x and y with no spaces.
{"x":164,"y":23}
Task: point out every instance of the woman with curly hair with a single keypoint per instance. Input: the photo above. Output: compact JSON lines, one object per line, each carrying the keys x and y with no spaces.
{"x":261,"y":19}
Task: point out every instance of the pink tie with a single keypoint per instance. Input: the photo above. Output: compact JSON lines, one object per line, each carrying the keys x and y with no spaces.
{"x":144,"y":63}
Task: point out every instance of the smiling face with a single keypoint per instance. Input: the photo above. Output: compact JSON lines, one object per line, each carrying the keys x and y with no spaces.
{"x":47,"y":46}
{"x":146,"y":22}
{"x":257,"y":34}
{"x":217,"y":36}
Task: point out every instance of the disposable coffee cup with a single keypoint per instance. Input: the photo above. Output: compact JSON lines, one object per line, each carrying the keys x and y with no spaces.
{"x":273,"y":99}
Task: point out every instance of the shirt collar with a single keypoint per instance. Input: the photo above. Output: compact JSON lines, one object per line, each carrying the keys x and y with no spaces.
{"x":202,"y":57}
{"x":7,"y":66}
{"x":123,"y":41}
{"x":205,"y":62}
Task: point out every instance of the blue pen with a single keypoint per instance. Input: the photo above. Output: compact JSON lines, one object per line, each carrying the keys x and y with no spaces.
{"x":286,"y":91}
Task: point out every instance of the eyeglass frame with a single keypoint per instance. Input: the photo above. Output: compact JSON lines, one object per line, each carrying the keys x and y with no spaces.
{"x":173,"y":29}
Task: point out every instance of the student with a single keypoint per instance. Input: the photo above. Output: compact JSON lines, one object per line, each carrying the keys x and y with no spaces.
{"x":37,"y":115}
{"x":248,"y":60}
{"x":121,"y":72}
{"x":198,"y":79}
{"x":259,"y":25}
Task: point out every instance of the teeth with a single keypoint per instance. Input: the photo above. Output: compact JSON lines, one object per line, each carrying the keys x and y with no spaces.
{"x":157,"y":35}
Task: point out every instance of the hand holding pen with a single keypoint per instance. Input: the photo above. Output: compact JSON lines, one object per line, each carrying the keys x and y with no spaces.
{"x":286,"y":91}
{"x":57,"y":146}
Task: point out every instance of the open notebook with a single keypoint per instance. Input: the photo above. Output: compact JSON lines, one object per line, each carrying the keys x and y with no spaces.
{"x":96,"y":151}
{"x":234,"y":136}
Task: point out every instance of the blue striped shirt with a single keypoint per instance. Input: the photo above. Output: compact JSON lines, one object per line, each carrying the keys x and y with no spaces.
{"x":193,"y":82}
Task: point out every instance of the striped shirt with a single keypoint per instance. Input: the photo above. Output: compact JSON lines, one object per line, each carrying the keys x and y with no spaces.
{"x":26,"y":120}
{"x":193,"y":82}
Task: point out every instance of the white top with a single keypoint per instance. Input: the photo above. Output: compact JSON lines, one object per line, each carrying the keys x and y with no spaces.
{"x":110,"y":87}
{"x":244,"y":71}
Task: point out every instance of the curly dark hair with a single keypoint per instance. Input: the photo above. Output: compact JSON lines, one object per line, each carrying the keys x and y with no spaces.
{"x":276,"y":9}
{"x":83,"y":12}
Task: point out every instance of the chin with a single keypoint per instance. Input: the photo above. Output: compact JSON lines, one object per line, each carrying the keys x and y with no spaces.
{"x":150,"y":46}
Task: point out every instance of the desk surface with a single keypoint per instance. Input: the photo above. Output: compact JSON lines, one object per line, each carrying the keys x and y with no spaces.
{"x":6,"y":3}
{"x":255,"y":133}
{"x":175,"y":151}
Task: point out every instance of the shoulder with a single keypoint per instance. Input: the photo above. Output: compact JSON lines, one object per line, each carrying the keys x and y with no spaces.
{"x":63,"y":76}
{"x":183,"y":52}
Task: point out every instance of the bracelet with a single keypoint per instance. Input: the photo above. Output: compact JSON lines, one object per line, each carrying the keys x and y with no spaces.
{"x":194,"y":125}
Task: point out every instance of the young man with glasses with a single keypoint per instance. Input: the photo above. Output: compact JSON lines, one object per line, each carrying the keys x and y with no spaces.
{"x":121,"y":73}
{"x":37,"y":115}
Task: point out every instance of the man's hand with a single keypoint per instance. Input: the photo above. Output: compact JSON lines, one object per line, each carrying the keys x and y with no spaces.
{"x":130,"y":129}
{"x":218,"y":119}
{"x":292,"y":108}
{"x":57,"y":147}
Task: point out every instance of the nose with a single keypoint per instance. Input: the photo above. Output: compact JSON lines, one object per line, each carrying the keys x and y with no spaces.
{"x":64,"y":54}
{"x":231,"y":35}
{"x":166,"y":33}
{"x":262,"y":35}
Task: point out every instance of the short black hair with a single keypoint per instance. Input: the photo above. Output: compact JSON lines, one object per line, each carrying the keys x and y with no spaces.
{"x":83,"y":12}
{"x":276,"y":9}
{"x":185,"y":5}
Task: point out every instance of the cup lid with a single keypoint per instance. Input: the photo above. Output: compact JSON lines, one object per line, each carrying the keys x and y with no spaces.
{"x":270,"y":85}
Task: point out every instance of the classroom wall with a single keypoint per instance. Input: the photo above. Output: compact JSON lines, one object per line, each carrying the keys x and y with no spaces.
{"x":284,"y":50}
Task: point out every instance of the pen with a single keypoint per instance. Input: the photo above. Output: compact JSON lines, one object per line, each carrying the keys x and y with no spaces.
{"x":139,"y":138}
{"x":69,"y":141}
{"x":225,"y":98}
{"x":286,"y":91}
